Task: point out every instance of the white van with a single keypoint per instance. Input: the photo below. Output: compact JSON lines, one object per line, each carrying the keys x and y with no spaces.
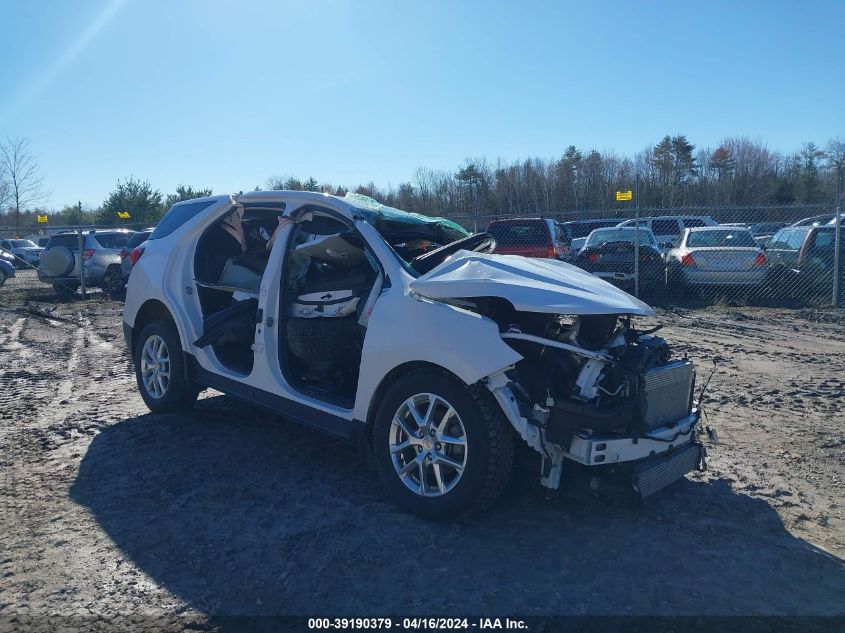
{"x":668,"y":228}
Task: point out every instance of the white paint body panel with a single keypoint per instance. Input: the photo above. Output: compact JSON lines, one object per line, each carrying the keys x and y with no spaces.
{"x":529,"y":284}
{"x":409,"y":322}
{"x":402,"y":328}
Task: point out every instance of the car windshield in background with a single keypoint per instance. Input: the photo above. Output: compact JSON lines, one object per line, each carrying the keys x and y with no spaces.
{"x":600,"y":236}
{"x":516,"y":233}
{"x":583,"y":229}
{"x":112,"y":240}
{"x":720,"y":238}
{"x":23,"y":244}
{"x":765,"y":228}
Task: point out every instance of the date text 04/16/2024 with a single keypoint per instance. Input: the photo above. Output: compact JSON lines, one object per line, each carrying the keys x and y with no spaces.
{"x":417,"y":623}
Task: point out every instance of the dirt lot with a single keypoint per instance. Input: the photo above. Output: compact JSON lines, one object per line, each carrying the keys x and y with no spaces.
{"x":106,"y":509}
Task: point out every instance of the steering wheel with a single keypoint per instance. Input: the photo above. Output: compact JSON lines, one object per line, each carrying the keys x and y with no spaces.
{"x":478,"y":243}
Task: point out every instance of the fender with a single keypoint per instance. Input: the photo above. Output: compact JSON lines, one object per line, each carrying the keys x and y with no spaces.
{"x":405,"y":327}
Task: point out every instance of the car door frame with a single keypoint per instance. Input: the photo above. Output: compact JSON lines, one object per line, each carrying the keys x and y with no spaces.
{"x":265,"y":386}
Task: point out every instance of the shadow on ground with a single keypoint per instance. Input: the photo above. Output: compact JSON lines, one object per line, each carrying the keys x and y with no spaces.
{"x":236,"y":512}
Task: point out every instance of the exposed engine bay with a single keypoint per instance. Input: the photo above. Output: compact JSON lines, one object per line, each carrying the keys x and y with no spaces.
{"x":593,"y":386}
{"x":598,"y":376}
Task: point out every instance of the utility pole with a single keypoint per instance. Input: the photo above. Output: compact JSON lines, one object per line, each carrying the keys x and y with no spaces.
{"x":81,"y":249}
{"x":837,"y":237}
{"x":475,"y":202}
{"x":637,"y":237}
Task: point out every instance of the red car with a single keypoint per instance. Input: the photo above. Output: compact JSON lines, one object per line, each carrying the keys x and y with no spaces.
{"x":530,"y":237}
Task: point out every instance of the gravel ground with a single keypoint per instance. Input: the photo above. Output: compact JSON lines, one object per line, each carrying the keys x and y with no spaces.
{"x":106,"y":509}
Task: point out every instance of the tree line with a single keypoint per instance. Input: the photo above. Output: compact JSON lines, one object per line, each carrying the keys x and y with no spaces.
{"x":671,"y":173}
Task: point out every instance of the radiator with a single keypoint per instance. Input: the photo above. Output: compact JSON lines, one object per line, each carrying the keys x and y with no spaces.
{"x":666,"y":393}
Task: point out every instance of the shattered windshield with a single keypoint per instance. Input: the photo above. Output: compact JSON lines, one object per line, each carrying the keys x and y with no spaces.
{"x":388,"y":221}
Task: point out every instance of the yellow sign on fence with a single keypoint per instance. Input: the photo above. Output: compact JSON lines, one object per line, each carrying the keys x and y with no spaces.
{"x":624,"y":195}
{"x":42,"y":219}
{"x":123,"y":215}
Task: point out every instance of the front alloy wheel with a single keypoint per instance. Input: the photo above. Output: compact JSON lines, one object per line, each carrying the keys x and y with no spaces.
{"x":155,"y":366}
{"x":428,"y":445}
{"x":443,"y":449}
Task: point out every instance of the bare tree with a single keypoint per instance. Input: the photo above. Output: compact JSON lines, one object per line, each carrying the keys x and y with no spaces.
{"x":24,"y":181}
{"x":836,"y":152}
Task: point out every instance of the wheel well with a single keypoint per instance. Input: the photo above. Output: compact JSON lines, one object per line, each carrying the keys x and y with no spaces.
{"x":391,"y":377}
{"x":152,"y":310}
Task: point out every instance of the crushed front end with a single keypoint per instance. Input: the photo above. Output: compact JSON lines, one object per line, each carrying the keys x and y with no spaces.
{"x":596,"y":391}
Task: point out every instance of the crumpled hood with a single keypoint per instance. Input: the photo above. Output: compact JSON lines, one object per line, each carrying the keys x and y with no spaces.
{"x":530,"y":284}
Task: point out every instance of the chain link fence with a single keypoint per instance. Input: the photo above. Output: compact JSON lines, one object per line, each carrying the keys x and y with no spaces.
{"x":68,"y":263}
{"x":767,"y":255}
{"x":787,"y":256}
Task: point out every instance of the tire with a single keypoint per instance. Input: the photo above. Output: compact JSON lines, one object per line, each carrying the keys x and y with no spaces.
{"x":112,"y":283}
{"x":177,"y":393}
{"x":3,"y":276}
{"x":487,"y":456}
{"x":64,"y":291}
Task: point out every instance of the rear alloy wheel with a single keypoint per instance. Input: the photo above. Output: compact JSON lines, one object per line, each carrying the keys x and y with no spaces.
{"x":160,"y":369}
{"x":443,"y":449}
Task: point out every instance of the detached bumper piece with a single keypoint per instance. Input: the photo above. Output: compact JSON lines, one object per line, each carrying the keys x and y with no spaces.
{"x":657,"y":473}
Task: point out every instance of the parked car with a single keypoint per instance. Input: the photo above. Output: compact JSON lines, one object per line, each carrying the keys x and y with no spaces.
{"x":801,"y":259}
{"x":26,"y":253}
{"x":668,"y":228}
{"x":763,"y":231}
{"x":7,"y":268}
{"x":609,"y":253}
{"x":137,"y":239}
{"x":39,"y":240}
{"x":716,"y":256}
{"x":816,"y":220}
{"x":101,"y":255}
{"x":437,"y":366}
{"x":578,"y":230}
{"x":529,"y":237}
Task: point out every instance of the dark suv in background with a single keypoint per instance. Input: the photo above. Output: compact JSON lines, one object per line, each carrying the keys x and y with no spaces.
{"x":801,"y":259}
{"x":134,"y":242}
{"x":530,"y":237}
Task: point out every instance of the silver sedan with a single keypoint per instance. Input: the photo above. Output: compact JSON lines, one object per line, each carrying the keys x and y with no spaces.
{"x":717,"y":256}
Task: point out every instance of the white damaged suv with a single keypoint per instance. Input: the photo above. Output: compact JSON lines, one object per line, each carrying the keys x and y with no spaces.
{"x":403,"y":334}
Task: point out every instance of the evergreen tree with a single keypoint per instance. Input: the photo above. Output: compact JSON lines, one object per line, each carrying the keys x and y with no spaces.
{"x":137,"y":197}
{"x":185,"y":193}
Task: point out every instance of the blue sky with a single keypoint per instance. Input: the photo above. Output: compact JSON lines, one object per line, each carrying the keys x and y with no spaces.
{"x":225,"y":93}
